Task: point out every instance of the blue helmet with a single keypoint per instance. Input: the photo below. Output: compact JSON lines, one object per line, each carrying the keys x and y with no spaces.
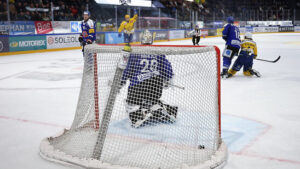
{"x":87,"y":13}
{"x":230,"y":19}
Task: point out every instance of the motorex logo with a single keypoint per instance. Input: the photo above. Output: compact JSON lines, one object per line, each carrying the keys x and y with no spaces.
{"x":22,"y":43}
{"x":14,"y":44}
{"x":31,"y":43}
{"x":27,"y":43}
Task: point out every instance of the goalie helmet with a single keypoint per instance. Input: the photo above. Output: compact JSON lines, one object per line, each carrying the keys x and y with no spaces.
{"x":147,"y":38}
{"x":248,"y":35}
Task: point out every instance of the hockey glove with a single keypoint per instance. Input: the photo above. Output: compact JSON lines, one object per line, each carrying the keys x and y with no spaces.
{"x":80,"y":39}
{"x":120,"y":35}
{"x":225,"y":38}
{"x":89,"y":41}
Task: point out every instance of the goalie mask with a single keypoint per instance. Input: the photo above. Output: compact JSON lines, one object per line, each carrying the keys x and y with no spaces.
{"x":147,"y":38}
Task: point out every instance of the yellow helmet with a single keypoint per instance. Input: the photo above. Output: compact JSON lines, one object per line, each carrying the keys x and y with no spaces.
{"x":127,"y":16}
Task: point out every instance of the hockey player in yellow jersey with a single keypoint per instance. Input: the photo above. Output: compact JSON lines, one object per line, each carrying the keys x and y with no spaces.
{"x":127,"y":27}
{"x":245,"y":59}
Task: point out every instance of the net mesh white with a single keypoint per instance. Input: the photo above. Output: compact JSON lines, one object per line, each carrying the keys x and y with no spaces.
{"x":158,"y":109}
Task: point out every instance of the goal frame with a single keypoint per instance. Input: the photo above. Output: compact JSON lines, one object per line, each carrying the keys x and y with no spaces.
{"x":218,"y":55}
{"x":74,"y":162}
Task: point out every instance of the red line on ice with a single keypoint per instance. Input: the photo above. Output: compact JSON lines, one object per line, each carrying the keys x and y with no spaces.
{"x":32,"y":121}
{"x":267,"y":158}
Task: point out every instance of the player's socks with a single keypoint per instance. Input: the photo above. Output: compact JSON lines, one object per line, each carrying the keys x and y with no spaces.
{"x":247,"y":73}
{"x":231,"y":73}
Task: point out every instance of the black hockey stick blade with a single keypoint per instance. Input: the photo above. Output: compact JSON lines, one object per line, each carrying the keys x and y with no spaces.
{"x":271,"y":61}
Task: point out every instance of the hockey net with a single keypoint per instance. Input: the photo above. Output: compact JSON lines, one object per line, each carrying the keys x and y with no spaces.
{"x":103,"y":136}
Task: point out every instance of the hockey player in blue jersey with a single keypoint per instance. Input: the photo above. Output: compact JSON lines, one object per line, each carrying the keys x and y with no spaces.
{"x":231,"y":34}
{"x":88,"y":35}
{"x":148,"y":75}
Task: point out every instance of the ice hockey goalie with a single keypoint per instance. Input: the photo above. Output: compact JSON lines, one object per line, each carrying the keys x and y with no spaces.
{"x":148,"y":76}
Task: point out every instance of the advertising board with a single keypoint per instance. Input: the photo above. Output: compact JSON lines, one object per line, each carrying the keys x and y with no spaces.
{"x":23,"y":43}
{"x":4,"y":44}
{"x":62,"y":41}
{"x":176,"y":34}
{"x":43,"y":27}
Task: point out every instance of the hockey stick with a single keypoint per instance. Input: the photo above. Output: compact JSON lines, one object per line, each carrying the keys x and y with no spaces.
{"x":179,"y":87}
{"x":270,"y":61}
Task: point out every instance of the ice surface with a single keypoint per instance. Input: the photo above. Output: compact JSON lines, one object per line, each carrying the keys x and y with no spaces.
{"x":261,"y":116}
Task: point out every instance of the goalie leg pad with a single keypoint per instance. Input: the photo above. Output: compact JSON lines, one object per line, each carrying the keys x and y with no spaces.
{"x":164,"y":113}
{"x":157,"y":113}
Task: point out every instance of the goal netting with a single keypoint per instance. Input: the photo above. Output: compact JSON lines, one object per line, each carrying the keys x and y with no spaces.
{"x":157,"y":107}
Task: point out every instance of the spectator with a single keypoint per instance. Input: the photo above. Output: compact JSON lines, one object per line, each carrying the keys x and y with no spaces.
{"x":20,"y":8}
{"x":27,"y":16}
{"x":74,"y":10}
{"x":12,"y":9}
{"x":45,"y":17}
{"x":21,"y":16}
{"x":3,"y":11}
